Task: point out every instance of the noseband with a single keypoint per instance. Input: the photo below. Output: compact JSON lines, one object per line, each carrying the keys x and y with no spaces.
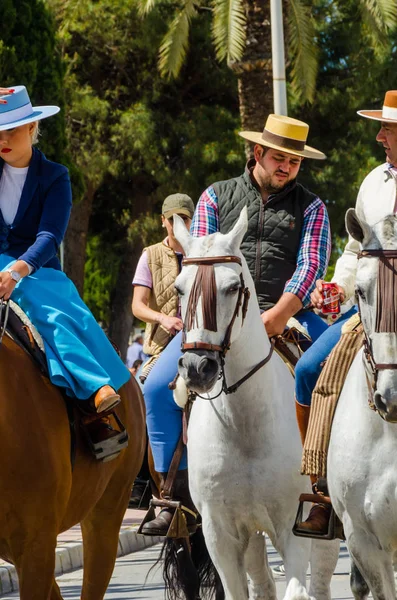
{"x":204,"y":285}
{"x":384,"y":256}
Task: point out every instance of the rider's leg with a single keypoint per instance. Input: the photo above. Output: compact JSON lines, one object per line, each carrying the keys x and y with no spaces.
{"x":314,"y":324}
{"x":307,"y":371}
{"x":79,"y":355}
{"x":163,"y":415}
{"x":164,"y":423}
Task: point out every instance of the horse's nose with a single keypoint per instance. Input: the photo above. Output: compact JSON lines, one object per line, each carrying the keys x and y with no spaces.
{"x":200,"y":371}
{"x":387,"y":408}
{"x":207,"y":367}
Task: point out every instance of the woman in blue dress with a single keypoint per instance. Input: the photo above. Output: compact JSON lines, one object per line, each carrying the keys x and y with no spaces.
{"x":35,"y":205}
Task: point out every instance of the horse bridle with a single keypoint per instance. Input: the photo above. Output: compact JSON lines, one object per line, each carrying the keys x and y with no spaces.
{"x":242,"y":302}
{"x":368,"y":351}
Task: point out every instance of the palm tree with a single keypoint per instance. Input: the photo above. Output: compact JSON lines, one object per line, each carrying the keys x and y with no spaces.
{"x":241,"y":36}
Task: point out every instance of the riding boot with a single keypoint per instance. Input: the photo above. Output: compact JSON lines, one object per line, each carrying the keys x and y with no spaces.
{"x":302,"y":416}
{"x":106,"y":399}
{"x":161,"y":524}
{"x":319,"y":515}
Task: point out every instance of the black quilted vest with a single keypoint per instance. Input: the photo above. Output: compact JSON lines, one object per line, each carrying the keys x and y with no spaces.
{"x":272,"y":241}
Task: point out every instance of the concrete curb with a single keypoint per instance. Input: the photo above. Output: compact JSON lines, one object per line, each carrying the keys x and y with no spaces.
{"x":69,"y":557}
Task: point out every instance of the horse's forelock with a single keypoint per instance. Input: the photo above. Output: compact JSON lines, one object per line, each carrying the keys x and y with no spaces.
{"x":204,"y":285}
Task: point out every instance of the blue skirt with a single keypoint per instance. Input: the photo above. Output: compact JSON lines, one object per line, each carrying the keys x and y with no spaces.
{"x":79,"y":355}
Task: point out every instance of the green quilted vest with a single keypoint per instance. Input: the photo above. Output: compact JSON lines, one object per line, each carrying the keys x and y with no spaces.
{"x":272,"y":241}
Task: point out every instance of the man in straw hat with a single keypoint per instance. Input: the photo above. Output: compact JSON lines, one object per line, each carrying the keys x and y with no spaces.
{"x":287,"y":248}
{"x":287,"y":244}
{"x":380,"y":184}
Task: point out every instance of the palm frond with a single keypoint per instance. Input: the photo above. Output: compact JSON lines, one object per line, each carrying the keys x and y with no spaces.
{"x":303,"y":50}
{"x":176,"y":41}
{"x":146,"y":6}
{"x":380,"y":17}
{"x":383,"y":13}
{"x":228,"y":29}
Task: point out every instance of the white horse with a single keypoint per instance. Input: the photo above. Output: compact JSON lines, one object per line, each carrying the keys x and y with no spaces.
{"x":244,"y":448}
{"x":362,"y":472}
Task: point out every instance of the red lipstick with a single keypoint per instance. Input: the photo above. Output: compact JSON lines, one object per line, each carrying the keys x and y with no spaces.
{"x":6,"y":150}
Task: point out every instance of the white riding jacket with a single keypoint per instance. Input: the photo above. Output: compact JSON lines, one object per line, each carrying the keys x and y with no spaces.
{"x":376,"y":200}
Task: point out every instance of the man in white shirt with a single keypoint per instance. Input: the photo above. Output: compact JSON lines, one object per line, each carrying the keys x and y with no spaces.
{"x":376,"y":200}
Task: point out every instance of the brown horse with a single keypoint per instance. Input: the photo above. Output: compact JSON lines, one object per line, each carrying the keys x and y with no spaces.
{"x":40,"y":495}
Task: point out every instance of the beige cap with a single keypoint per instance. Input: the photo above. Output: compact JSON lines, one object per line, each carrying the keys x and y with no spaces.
{"x":180,"y":204}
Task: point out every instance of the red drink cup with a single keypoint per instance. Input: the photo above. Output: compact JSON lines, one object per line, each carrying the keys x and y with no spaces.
{"x":331,"y":299}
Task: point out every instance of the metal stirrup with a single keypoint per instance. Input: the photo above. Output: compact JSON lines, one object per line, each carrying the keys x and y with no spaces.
{"x":4,"y":310}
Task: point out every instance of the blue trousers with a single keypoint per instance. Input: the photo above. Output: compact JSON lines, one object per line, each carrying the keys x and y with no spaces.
{"x":80,"y":357}
{"x":163,"y":416}
{"x":309,"y":365}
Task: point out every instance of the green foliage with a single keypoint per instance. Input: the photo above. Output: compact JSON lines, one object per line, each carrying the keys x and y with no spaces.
{"x":100,"y":278}
{"x":176,"y":41}
{"x":136,"y":137}
{"x":303,"y":50}
{"x":351,"y":76}
{"x":29,"y":56}
{"x":370,"y":21}
{"x":228,"y":29}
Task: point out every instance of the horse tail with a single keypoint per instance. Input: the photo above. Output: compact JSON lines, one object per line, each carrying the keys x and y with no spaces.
{"x":188,"y":570}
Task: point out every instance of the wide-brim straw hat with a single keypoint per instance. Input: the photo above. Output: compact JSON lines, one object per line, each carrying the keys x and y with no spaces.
{"x":19,"y":110}
{"x":285,"y":134}
{"x":388,"y":112}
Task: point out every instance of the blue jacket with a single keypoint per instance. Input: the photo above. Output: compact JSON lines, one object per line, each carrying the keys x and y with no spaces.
{"x":42,"y":216}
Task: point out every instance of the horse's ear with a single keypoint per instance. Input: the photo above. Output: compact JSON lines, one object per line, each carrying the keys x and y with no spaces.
{"x":239,"y":230}
{"x":181,"y":233}
{"x":358,"y":228}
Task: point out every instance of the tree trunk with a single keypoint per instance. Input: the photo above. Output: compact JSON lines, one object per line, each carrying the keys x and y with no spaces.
{"x":254,"y":71}
{"x":76,"y":239}
{"x":121,"y":317}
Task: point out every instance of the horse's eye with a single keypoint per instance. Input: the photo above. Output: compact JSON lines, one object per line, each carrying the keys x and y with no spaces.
{"x":178,"y":290}
{"x":360,"y":293}
{"x":233,"y":289}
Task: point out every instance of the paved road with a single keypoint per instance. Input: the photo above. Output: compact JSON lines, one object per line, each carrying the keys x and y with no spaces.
{"x":131,"y":580}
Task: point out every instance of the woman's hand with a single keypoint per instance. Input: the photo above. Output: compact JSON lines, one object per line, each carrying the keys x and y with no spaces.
{"x":3,"y":92}
{"x":7,"y":284}
{"x":171,"y":324}
{"x":317,"y":294}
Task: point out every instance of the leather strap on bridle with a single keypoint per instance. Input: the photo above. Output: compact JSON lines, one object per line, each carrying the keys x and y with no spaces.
{"x":243,"y":292}
{"x":368,"y":355}
{"x":210,"y":260}
{"x":242,"y":302}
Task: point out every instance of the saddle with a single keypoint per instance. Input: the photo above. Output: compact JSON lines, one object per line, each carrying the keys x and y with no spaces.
{"x":292,"y":343}
{"x":16,"y":325}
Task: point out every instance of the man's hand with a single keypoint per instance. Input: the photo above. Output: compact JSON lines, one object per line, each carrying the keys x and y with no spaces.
{"x":276,"y":318}
{"x":317,"y":294}
{"x":7,"y":285}
{"x":171,"y":324}
{"x":274,"y":321}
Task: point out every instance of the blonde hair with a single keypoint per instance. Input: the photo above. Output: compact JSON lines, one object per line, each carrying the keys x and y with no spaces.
{"x":35,"y":133}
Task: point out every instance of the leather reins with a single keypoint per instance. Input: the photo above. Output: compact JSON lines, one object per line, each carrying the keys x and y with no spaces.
{"x":242,"y":302}
{"x":368,"y":351}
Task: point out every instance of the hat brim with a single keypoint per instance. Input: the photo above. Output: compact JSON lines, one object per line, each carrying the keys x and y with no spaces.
{"x":39,"y":113}
{"x":308,"y":152}
{"x":375,"y":115}
{"x":178,"y":211}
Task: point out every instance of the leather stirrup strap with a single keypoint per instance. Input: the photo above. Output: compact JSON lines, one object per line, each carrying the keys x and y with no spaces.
{"x":172,"y":471}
